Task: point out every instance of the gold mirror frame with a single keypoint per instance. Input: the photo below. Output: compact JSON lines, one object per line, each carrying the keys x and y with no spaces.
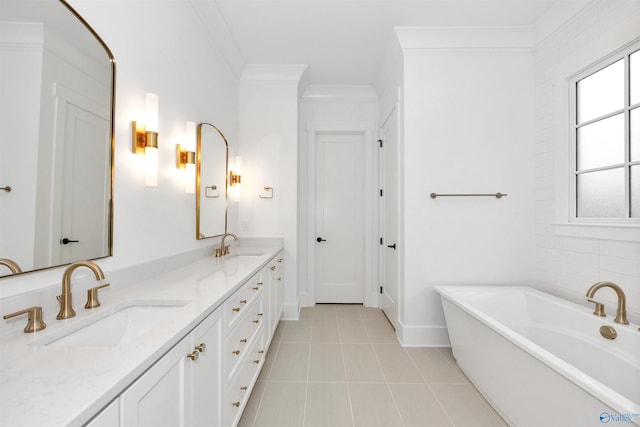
{"x":66,"y":34}
{"x":208,"y":193}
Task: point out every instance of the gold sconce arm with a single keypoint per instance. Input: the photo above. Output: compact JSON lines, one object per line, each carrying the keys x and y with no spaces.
{"x":184,"y":157}
{"x":234,"y":178}
{"x":142,"y":138}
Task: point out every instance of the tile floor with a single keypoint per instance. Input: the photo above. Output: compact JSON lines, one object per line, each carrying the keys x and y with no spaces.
{"x":341,"y":365}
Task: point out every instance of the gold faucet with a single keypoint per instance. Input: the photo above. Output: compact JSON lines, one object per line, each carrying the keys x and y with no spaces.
{"x":11,"y":265}
{"x":621,"y":313}
{"x":66,"y":307}
{"x":34,"y":323}
{"x":224,"y":250}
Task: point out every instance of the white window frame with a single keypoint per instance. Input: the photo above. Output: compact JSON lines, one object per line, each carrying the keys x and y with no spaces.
{"x":623,"y":53}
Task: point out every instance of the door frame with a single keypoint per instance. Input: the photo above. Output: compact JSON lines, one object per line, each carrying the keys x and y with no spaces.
{"x":393,"y":113}
{"x":395,"y":109}
{"x":370,"y":205}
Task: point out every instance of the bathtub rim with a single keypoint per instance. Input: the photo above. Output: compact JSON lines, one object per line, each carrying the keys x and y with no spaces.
{"x":602,"y":392}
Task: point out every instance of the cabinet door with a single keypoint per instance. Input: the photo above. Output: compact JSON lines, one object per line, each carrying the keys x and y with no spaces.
{"x":206,"y":372}
{"x":161,"y":396}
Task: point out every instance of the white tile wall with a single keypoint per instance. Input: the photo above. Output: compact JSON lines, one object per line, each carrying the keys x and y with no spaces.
{"x":567,"y":266}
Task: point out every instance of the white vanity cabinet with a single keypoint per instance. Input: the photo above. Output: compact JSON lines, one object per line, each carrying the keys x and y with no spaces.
{"x":274,"y":298}
{"x":183,"y":387}
{"x":244,"y":348}
{"x":207,"y":377}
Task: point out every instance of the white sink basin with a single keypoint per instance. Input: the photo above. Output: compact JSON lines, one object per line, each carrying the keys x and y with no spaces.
{"x":119,"y":326}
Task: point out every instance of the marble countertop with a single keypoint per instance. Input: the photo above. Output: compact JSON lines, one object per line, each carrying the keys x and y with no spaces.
{"x":65,"y":386}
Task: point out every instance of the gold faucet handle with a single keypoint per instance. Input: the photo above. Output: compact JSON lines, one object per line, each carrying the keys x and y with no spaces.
{"x":34,"y":322}
{"x":92,"y":296}
{"x":599,"y":311}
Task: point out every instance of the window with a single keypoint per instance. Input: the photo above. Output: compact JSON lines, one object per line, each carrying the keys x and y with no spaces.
{"x":605,"y":136}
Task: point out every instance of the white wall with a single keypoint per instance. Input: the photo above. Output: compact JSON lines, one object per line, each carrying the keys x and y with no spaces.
{"x":569,"y":260}
{"x":268,"y":114}
{"x":468,"y":128}
{"x":166,"y":50}
{"x":337,"y":108}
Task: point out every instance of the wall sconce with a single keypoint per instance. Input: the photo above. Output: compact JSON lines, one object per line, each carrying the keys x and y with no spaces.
{"x":186,"y":158}
{"x":235,"y":179}
{"x":145,"y":140}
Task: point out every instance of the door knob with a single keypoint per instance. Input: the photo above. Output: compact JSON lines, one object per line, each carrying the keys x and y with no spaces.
{"x":66,"y":241}
{"x":320,"y":239}
{"x":392,"y":246}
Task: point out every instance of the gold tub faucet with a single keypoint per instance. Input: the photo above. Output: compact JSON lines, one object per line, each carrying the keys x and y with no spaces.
{"x":621,"y":313}
{"x":66,"y":307}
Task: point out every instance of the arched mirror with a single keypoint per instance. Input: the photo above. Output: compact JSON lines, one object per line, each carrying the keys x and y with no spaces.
{"x":211,"y":182}
{"x":57,"y":80}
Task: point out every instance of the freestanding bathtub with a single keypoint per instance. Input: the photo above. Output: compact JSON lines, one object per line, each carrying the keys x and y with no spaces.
{"x":540,"y":360}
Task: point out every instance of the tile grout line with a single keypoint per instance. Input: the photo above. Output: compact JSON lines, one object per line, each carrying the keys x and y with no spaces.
{"x":473,"y":388}
{"x":346,"y":377}
{"x":306,"y":383}
{"x":266,"y":385}
{"x":386,"y":381}
{"x":428,"y":384}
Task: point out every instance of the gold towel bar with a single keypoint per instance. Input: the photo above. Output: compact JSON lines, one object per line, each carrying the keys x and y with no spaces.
{"x":496,"y":195}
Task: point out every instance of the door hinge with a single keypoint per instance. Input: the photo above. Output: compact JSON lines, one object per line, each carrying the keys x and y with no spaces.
{"x":381,"y":240}
{"x":381,"y":192}
{"x":380,"y":289}
{"x":380,"y":141}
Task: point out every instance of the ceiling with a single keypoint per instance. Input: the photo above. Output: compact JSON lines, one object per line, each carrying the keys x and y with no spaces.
{"x":344,"y":41}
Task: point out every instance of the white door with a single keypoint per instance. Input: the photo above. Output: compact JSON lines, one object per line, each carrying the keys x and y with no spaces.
{"x":339,"y":247}
{"x":389,"y":169}
{"x":82,"y":207}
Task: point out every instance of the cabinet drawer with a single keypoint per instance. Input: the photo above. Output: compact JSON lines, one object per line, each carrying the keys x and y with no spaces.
{"x":237,"y":303}
{"x":243,"y":336}
{"x":243,"y":380}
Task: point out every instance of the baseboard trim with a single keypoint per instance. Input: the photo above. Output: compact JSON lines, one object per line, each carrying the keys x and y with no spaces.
{"x":423,"y":336}
{"x":291,"y":311}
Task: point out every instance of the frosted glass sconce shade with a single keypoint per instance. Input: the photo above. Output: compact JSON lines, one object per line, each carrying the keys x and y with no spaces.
{"x":186,"y":157}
